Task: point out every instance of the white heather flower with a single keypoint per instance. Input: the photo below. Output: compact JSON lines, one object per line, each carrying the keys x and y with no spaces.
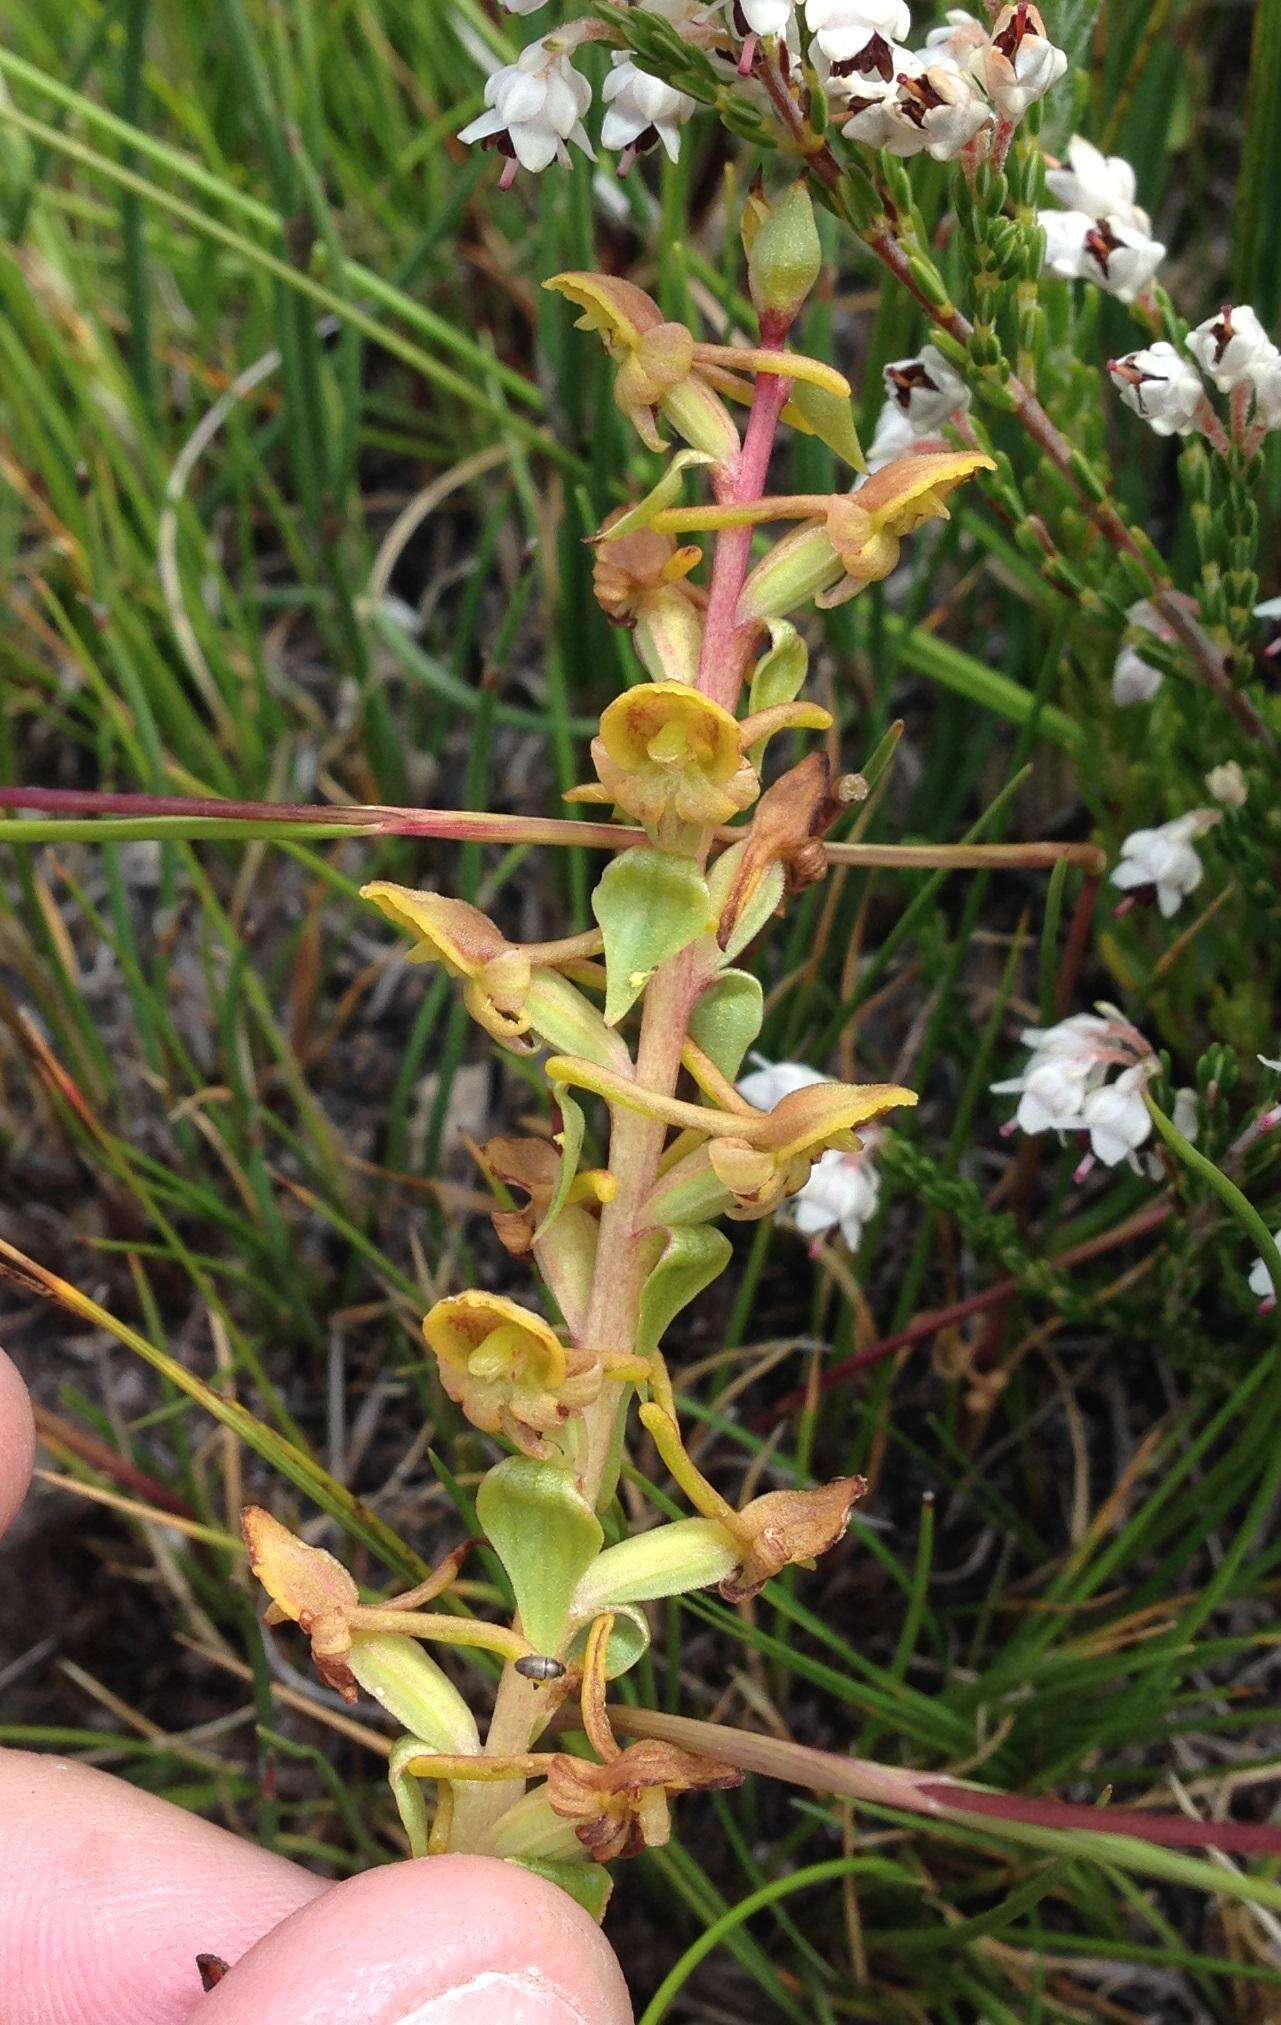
{"x":1100,"y":185}
{"x":1267,"y":392}
{"x":1231,"y":347}
{"x":523,"y":6}
{"x":770,"y":1082}
{"x":869,"y":86}
{"x":1053,"y":1093}
{"x":845,"y":29}
{"x":1226,"y":784}
{"x":1120,"y":258}
{"x":893,"y":437}
{"x":842,"y":1193}
{"x":1065,"y":1085}
{"x":1185,"y":1114}
{"x":957,"y":41}
{"x":926,"y":390}
{"x":1134,"y":680}
{"x":1019,"y":64}
{"x":1165,"y":859}
{"x":1260,"y":1281}
{"x":1116,"y":1117}
{"x":1159,"y":384}
{"x":640,"y":109}
{"x":763,"y":17}
{"x":1065,"y":242}
{"x":534,"y":106}
{"x":938,"y":112}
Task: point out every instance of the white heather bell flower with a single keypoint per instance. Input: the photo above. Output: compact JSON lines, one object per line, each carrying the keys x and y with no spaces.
{"x":1260,"y":1282}
{"x":1065,"y":242}
{"x":957,"y":40}
{"x":535,"y":105}
{"x":1019,"y":64}
{"x":938,"y":113}
{"x":842,"y":1193}
{"x":871,"y":91}
{"x":1164,"y":858}
{"x":926,"y":389}
{"x":1134,"y":680}
{"x":1120,"y":258}
{"x":1226,"y":784}
{"x":892,"y":437}
{"x":844,"y":29}
{"x":769,"y":1082}
{"x":640,"y":109}
{"x":1185,"y":1114}
{"x":762,"y":17}
{"x":1102,"y":186}
{"x":1158,"y":383}
{"x":1231,"y":347}
{"x":1116,"y":1117}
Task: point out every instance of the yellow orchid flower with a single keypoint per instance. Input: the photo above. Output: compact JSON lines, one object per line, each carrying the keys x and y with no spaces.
{"x":507,"y":1368}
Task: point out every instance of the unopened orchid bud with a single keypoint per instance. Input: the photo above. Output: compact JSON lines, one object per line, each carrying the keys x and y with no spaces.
{"x":785,"y":259}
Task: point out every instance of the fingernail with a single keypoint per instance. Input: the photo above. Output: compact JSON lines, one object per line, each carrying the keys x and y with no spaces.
{"x":525,"y":1999}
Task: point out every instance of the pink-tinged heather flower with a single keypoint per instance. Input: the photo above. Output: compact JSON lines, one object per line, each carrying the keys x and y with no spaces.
{"x":534,"y":106}
{"x":1019,"y":64}
{"x":1086,"y":1074}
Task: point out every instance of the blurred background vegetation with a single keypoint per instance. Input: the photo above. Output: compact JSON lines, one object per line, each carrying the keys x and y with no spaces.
{"x":296,"y":463}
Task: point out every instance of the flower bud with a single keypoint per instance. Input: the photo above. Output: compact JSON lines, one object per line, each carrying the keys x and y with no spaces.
{"x":784,"y":257}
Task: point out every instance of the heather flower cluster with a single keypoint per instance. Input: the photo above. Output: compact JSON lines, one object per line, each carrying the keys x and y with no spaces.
{"x":964,"y":91}
{"x":1101,"y":234}
{"x":1236,"y":356}
{"x":1086,"y":1074}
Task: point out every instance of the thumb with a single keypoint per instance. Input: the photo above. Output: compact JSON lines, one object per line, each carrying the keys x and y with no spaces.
{"x":17,"y":1441}
{"x":446,"y":1940}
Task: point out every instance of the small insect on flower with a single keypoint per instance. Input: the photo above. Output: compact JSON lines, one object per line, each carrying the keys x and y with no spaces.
{"x":540,"y":1666}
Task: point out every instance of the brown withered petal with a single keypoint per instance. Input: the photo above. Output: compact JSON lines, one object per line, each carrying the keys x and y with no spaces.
{"x":790,"y":817}
{"x":610,"y":1803}
{"x":528,"y":1167}
{"x":310,"y":1588}
{"x":787,"y":1526}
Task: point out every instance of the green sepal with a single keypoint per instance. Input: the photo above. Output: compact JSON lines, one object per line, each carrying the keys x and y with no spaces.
{"x":567,"y":1260}
{"x":588,"y":1884}
{"x":546,"y":1536}
{"x":690,"y":1258}
{"x":666,"y":1561}
{"x":570,"y":1024}
{"x":779,"y":675}
{"x":628,"y":1641}
{"x":690,"y":1192}
{"x":650,"y":906}
{"x":665,"y":493}
{"x":411,"y":1687}
{"x":531,"y":1832}
{"x":828,"y":416}
{"x":727,"y":1019}
{"x":573,"y":1126}
{"x":768,"y":893}
{"x":407,"y":1792}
